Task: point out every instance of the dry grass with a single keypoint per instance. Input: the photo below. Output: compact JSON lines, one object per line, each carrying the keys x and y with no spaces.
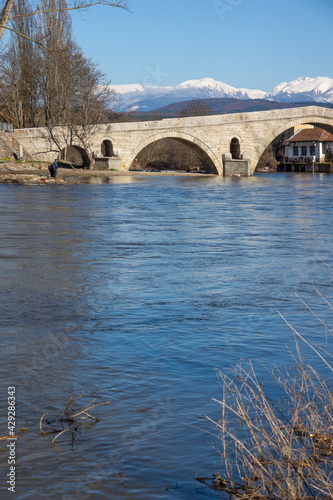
{"x":73,"y":420}
{"x":276,"y":450}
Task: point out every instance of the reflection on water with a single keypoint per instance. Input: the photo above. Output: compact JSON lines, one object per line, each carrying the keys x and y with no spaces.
{"x":123,"y":179}
{"x":134,"y":292}
{"x":103,"y":179}
{"x":114,"y":179}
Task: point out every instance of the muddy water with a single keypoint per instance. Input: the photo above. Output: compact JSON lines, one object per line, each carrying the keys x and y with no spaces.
{"x":134,"y":292}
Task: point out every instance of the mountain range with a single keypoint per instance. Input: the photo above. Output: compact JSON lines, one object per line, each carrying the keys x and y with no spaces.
{"x":138,"y":97}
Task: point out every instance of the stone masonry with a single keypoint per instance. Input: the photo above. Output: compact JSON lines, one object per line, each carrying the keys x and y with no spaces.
{"x":10,"y":146}
{"x":209,"y":135}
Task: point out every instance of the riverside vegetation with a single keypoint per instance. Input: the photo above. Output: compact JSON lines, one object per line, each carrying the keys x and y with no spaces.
{"x":276,"y":449}
{"x":71,"y":420}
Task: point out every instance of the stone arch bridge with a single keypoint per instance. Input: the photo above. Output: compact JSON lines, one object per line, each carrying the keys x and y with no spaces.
{"x":211,"y":136}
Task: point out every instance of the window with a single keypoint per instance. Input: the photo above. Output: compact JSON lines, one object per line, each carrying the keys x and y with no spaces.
{"x":312,"y":151}
{"x":295,"y":151}
{"x":304,"y":148}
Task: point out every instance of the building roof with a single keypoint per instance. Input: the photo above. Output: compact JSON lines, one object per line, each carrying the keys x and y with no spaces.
{"x":311,"y":134}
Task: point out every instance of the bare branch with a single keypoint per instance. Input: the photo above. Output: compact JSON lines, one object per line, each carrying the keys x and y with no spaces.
{"x":77,"y":7}
{"x":5,"y":15}
{"x":66,"y":430}
{"x":31,"y":40}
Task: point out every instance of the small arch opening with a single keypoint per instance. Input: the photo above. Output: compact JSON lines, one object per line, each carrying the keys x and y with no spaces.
{"x":74,"y":156}
{"x":107,"y":148}
{"x":235,"y":149}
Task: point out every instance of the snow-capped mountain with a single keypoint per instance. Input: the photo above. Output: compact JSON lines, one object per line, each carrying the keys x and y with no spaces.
{"x":148,"y":97}
{"x":207,"y":87}
{"x":318,"y":89}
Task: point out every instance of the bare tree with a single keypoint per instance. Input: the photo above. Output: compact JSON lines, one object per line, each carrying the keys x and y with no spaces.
{"x":7,"y":16}
{"x":195,"y":108}
{"x":87,"y":102}
{"x":52,"y":84}
{"x":19,"y":70}
{"x":79,"y":100}
{"x":274,"y":153}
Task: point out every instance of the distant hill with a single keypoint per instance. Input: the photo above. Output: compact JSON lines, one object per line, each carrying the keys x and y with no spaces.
{"x":230,"y":105}
{"x":217,"y":106}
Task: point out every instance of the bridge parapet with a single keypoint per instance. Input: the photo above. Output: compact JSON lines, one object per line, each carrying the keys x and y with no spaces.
{"x":211,"y":136}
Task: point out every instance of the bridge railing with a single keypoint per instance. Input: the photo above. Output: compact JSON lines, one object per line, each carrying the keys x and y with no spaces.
{"x":300,"y":159}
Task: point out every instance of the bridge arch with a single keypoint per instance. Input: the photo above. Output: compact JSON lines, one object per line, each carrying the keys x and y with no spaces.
{"x":319,"y":121}
{"x":75,"y":155}
{"x":311,"y":119}
{"x":213,"y":165}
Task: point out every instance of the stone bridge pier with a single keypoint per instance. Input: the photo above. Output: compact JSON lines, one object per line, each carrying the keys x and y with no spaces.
{"x":227,"y":144}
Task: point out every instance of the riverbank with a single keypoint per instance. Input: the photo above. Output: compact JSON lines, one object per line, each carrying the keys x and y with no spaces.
{"x":30,"y":174}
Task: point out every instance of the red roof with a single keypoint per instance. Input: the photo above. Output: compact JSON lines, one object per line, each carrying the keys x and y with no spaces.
{"x":312,"y":134}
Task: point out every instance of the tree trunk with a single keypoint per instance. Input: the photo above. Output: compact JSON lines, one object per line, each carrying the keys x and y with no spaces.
{"x":4,"y":16}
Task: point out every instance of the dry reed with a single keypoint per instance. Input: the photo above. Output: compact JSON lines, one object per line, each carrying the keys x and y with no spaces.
{"x":276,"y":450}
{"x":72,"y":419}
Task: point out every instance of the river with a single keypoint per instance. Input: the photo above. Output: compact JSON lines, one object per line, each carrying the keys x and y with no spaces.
{"x":135,"y":292}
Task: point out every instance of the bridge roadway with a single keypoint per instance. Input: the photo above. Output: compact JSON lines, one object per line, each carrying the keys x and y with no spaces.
{"x":210,"y":136}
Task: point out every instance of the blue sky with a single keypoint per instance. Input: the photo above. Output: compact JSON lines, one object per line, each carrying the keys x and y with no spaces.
{"x":245,"y":43}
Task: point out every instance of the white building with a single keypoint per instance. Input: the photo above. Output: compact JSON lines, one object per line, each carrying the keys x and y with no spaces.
{"x":307,"y":143}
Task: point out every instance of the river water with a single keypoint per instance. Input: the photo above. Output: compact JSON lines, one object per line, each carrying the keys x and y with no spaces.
{"x":135,"y":292}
